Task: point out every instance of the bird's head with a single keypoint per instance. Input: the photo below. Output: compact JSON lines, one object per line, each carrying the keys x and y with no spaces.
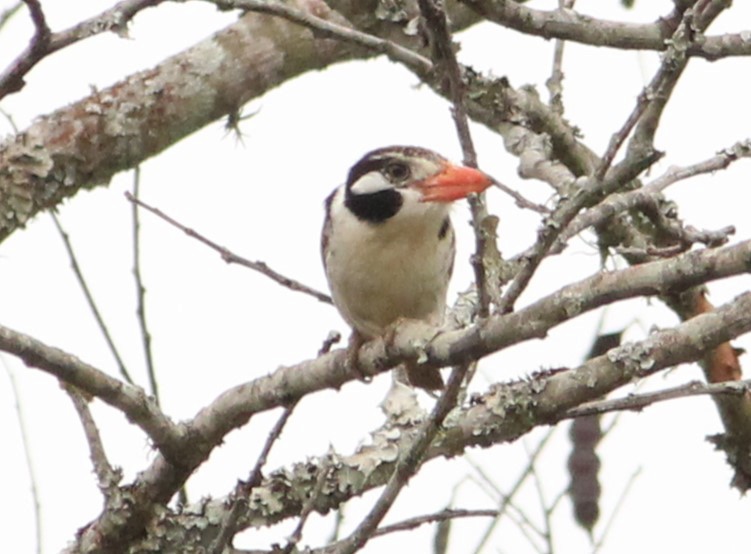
{"x":402,"y":178}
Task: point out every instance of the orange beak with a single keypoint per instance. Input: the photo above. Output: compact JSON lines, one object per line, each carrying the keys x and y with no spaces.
{"x":453,"y":183}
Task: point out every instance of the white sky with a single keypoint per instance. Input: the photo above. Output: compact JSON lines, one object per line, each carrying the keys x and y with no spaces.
{"x":215,"y":326}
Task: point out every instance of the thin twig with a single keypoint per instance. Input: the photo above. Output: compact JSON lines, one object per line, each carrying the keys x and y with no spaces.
{"x":443,"y":515}
{"x":555,"y":81}
{"x":107,"y":476}
{"x":620,"y":202}
{"x":651,"y":102}
{"x":406,"y":467}
{"x":182,"y":494}
{"x":331,"y":339}
{"x":90,"y":300}
{"x":41,"y":29}
{"x":445,"y":58}
{"x":507,"y":498}
{"x":33,"y":482}
{"x":231,"y":258}
{"x":637,"y":402}
{"x":141,"y":291}
{"x":244,"y":488}
{"x":547,"y":532}
{"x":618,"y":505}
{"x":7,"y":13}
{"x":557,"y":500}
{"x":520,"y":200}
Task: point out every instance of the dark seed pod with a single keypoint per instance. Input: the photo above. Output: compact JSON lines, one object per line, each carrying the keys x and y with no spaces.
{"x":583,"y":462}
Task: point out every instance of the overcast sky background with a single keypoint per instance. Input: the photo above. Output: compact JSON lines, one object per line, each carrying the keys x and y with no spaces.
{"x":216,"y":326}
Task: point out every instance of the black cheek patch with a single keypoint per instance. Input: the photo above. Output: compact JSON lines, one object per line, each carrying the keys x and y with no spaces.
{"x":376,"y":207}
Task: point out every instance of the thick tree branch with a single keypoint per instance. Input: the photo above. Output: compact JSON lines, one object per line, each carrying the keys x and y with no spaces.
{"x":327,"y":29}
{"x":188,"y":449}
{"x":85,"y":144}
{"x":504,"y":413}
{"x":414,"y":340}
{"x":566,"y":24}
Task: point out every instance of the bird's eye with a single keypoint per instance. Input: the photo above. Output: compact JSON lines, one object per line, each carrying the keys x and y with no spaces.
{"x":397,"y":171}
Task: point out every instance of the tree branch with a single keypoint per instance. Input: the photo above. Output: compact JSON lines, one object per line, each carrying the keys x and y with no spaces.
{"x":504,"y":413}
{"x":620,"y":202}
{"x":86,"y":143}
{"x":129,"y":399}
{"x":411,"y":341}
{"x":90,"y":300}
{"x":576,"y":27}
{"x":45,"y":42}
{"x":232,"y":258}
{"x":560,"y":391}
{"x":637,"y":402}
{"x":107,"y":476}
{"x":486,"y":249}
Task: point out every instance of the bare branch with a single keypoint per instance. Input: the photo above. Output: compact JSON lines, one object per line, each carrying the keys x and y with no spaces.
{"x":443,"y":515}
{"x":33,"y":482}
{"x":42,"y":33}
{"x":552,"y":226}
{"x":8,"y":13}
{"x":407,"y":465}
{"x":331,"y":29}
{"x":507,"y":498}
{"x":637,"y":402}
{"x":141,"y":291}
{"x":555,"y":81}
{"x":107,"y":476}
{"x":90,"y":300}
{"x":231,"y":258}
{"x":45,"y":42}
{"x":411,"y":341}
{"x":127,"y":398}
{"x":486,"y":249}
{"x":575,"y":27}
{"x":241,"y":495}
{"x":504,"y":413}
{"x":621,"y":202}
{"x":653,"y":99}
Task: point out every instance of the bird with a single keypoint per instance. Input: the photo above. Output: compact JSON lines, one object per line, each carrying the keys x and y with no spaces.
{"x":388,"y":245}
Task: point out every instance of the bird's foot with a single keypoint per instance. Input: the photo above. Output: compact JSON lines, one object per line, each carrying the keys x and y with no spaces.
{"x":352,"y":362}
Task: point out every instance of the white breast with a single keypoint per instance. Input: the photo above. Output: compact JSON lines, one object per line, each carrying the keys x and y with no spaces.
{"x":381,"y":272}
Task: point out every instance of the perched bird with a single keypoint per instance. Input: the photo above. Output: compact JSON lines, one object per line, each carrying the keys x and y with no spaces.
{"x":388,"y":245}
